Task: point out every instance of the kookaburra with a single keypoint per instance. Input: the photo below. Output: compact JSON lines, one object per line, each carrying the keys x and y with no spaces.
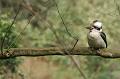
{"x":96,"y":37}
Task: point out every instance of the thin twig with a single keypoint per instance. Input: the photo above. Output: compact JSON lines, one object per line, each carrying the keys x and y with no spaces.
{"x":64,"y":22}
{"x":71,"y":57}
{"x":9,"y":28}
{"x":17,"y":37}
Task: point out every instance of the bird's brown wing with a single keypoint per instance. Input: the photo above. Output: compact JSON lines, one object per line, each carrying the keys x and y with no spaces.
{"x":104,"y":37}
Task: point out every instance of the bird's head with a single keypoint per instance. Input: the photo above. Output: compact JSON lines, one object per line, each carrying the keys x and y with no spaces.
{"x":96,"y":24}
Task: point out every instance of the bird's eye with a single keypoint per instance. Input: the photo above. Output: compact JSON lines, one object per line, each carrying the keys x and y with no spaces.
{"x":96,"y":28}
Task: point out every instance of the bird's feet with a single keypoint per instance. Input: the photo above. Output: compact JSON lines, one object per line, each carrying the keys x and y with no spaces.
{"x":97,"y":50}
{"x":91,"y":48}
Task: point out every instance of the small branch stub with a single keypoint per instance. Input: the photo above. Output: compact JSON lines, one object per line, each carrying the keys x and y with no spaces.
{"x":6,"y":54}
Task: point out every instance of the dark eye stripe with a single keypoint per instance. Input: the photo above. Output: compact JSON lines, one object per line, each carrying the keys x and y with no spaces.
{"x":96,"y":28}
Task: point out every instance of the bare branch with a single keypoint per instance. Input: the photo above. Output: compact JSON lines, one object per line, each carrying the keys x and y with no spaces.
{"x":85,"y":51}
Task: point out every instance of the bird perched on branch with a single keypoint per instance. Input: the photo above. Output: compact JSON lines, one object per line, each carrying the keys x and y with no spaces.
{"x":96,"y":37}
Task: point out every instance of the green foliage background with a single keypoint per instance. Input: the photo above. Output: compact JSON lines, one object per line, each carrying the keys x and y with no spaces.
{"x":77,"y":14}
{"x":7,"y":65}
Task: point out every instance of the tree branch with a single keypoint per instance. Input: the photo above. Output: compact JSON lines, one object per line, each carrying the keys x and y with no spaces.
{"x":16,"y":52}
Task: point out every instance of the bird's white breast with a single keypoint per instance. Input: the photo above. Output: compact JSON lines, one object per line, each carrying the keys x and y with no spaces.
{"x":95,"y":39}
{"x":94,"y":34}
